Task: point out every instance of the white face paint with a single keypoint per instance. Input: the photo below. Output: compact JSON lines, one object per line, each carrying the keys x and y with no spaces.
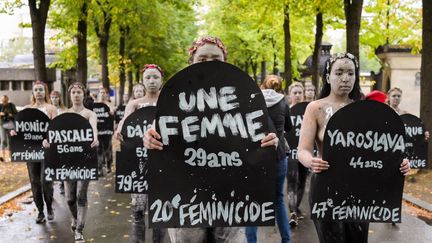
{"x":39,"y":92}
{"x":138,"y":92}
{"x":208,"y":52}
{"x":395,"y":98}
{"x":296,"y":95}
{"x":342,"y":77}
{"x":55,"y":100}
{"x":152,"y":80}
{"x":77,"y":95}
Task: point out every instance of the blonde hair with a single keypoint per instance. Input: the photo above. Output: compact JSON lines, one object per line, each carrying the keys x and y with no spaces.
{"x":294,"y":85}
{"x":387,"y":101}
{"x":272,"y":82}
{"x":135,"y":87}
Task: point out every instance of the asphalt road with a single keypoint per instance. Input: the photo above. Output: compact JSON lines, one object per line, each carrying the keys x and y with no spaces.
{"x":109,"y":220}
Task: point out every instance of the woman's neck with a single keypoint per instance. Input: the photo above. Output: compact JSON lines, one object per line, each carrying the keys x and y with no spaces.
{"x":78,"y":107}
{"x":152,"y":96}
{"x":338,"y":99}
{"x":39,"y":102}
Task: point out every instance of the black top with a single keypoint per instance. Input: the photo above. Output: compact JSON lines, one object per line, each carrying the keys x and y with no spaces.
{"x":280,"y":116}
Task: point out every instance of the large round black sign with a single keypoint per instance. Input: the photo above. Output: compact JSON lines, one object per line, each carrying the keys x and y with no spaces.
{"x":292,"y":137}
{"x":416,"y":146}
{"x":105,"y":121}
{"x":131,"y":162}
{"x":119,"y":113}
{"x":364,"y":145}
{"x":70,"y":156}
{"x":211,"y":117}
{"x":31,"y":126}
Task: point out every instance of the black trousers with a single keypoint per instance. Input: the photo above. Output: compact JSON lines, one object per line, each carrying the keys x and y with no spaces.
{"x":41,"y":189}
{"x":341,"y":232}
{"x":296,"y":178}
{"x":104,"y":154}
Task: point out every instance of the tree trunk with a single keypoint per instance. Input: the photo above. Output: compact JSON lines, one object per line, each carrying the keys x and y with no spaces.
{"x":263,"y":71}
{"x":81,"y":70}
{"x":137,"y":74}
{"x":38,"y":19}
{"x":287,"y":45}
{"x":130,"y":82}
{"x":426,"y":72}
{"x":353,"y":11}
{"x":317,"y":48}
{"x":122,"y":74}
{"x":254,"y":66}
{"x":103,"y":36}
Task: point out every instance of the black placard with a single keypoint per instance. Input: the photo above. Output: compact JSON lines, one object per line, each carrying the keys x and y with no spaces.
{"x":131,"y":162}
{"x":416,"y":146}
{"x":296,"y":114}
{"x":119,"y":114}
{"x":105,"y":121}
{"x":31,"y":126}
{"x":211,"y":177}
{"x":70,"y":156}
{"x":364,"y":145}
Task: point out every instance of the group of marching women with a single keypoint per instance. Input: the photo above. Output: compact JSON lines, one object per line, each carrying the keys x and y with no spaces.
{"x":340,"y":88}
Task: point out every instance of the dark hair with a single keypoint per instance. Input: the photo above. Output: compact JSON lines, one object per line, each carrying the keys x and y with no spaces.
{"x":355,"y":94}
{"x":77,"y":85}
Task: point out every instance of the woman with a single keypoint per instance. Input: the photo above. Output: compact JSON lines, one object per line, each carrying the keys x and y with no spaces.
{"x":152,"y":83}
{"x":279,"y":113}
{"x":55,"y":98}
{"x":394,"y":96}
{"x":309,"y":92}
{"x":105,"y":156}
{"x":202,"y":50}
{"x":41,"y":189}
{"x":138,"y":91}
{"x":341,"y":87}
{"x":56,"y":101}
{"x":297,"y":173}
{"x":76,"y":191}
{"x":7,"y":113}
{"x":296,"y":93}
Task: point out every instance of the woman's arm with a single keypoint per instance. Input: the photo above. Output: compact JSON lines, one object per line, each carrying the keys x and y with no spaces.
{"x":130,"y":107}
{"x":93,"y":124}
{"x":308,"y":132}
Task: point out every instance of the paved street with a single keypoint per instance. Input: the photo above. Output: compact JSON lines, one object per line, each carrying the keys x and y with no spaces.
{"x":109,"y":220}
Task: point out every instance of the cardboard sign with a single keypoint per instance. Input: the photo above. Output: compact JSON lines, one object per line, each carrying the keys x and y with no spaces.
{"x":212,"y":171}
{"x":119,"y":114}
{"x":416,"y":146}
{"x":105,"y":122}
{"x":131,"y":162}
{"x":364,"y":145}
{"x":70,"y":156}
{"x":31,"y":126}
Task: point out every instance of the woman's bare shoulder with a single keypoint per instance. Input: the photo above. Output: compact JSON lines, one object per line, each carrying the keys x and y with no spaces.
{"x":315,"y":105}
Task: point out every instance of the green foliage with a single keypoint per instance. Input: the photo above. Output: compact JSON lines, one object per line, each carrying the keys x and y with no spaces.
{"x":397,"y":23}
{"x":156,"y":32}
{"x":253,"y":30}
